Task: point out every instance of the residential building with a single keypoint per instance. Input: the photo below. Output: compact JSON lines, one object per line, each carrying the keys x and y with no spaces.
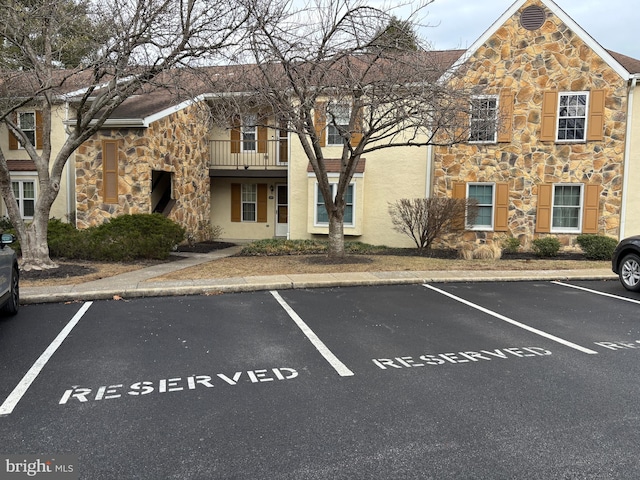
{"x":553,"y":149}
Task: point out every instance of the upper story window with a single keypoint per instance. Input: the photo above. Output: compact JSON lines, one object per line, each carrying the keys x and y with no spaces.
{"x":483,"y":119}
{"x":572,"y":116}
{"x":249,"y":133}
{"x":338,"y":118}
{"x":27,"y":123}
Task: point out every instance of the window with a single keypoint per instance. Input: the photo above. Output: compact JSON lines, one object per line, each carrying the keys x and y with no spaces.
{"x":249,"y":202}
{"x":27,"y":122}
{"x":483,"y":194}
{"x":338,"y":115}
{"x":566,"y":208}
{"x":483,"y":120}
{"x":322,"y":216}
{"x":572,"y":116}
{"x":249,"y":133}
{"x":25,"y":193}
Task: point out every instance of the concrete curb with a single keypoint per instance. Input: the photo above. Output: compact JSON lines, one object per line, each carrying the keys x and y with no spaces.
{"x":115,"y":288}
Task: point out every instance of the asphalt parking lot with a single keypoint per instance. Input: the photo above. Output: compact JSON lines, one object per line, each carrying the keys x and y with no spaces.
{"x":458,"y":380}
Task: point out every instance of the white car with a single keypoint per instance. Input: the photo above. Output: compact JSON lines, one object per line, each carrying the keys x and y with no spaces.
{"x":9,"y":276}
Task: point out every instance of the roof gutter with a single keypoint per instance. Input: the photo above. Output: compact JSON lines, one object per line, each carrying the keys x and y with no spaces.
{"x":627,"y":155}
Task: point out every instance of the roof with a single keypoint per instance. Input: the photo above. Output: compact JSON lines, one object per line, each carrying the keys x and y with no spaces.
{"x":332,"y":165}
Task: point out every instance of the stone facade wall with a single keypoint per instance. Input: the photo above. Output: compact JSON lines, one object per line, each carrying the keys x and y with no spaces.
{"x":177,"y":143}
{"x":530,"y":63}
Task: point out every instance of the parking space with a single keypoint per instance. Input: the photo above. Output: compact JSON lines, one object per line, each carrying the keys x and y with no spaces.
{"x":320,"y":383}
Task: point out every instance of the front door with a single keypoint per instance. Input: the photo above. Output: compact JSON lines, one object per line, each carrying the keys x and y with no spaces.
{"x":282,"y":211}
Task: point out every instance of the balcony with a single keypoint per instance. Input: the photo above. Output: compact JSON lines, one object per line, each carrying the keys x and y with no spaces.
{"x":248,"y":157}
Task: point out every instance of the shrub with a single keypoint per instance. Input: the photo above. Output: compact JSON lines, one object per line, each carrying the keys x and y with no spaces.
{"x":597,"y":247}
{"x":127,"y":237}
{"x":546,"y":246}
{"x":511,"y":244}
{"x":64,"y":240}
{"x":425,"y":220}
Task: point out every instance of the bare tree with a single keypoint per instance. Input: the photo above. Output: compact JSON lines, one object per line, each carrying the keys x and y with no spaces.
{"x":426,"y":219}
{"x":321,"y":72}
{"x":145,"y":38}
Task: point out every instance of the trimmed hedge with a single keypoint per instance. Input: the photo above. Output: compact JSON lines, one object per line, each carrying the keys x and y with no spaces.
{"x":546,"y":246}
{"x":123,"y":238}
{"x":597,"y":247}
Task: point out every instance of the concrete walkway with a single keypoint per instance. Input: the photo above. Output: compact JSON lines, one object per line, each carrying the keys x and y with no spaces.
{"x":139,"y":282}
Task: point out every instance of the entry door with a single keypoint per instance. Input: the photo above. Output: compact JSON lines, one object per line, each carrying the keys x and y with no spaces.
{"x":282,"y":211}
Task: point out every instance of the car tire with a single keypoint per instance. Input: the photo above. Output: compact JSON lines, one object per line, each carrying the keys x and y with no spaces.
{"x":630,"y":272}
{"x":13,"y":304}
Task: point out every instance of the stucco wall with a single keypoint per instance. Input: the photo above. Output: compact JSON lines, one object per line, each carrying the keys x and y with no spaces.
{"x":632,"y":217}
{"x":63,"y":204}
{"x":221,"y":209}
{"x":177,"y":144}
{"x":530,"y":63}
{"x":389,"y":175}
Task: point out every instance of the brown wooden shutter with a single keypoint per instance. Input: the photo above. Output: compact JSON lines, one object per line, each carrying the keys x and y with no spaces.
{"x":320,"y":120}
{"x":590,"y":208}
{"x":356,"y":135}
{"x":262,"y":203}
{"x":110,"y":171}
{"x":235,"y":136}
{"x":501,"y":213}
{"x":236,"y":202}
{"x":38,"y":144}
{"x":505,"y":116}
{"x":13,"y":140}
{"x":548,"y":120}
{"x":262,"y":139}
{"x":543,"y":214}
{"x":459,"y":191}
{"x":595,"y":124}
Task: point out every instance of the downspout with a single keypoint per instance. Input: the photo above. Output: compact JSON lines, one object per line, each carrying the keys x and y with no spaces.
{"x":289,"y":162}
{"x":71,"y":174}
{"x":625,"y":166}
{"x":429,"y":173}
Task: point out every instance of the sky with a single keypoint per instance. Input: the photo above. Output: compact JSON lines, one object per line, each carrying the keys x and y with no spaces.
{"x":459,"y":23}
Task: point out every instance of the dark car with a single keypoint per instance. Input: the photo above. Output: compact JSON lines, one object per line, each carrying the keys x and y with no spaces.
{"x":9,"y":276}
{"x":626,"y":262}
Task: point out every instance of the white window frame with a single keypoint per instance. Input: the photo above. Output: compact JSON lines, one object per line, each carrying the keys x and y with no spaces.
{"x":244,"y":201}
{"x":33,"y":140}
{"x":559,"y":118}
{"x":580,"y":208}
{"x":20,"y":197}
{"x":334,"y":187}
{"x":475,"y":120}
{"x":330,"y":124}
{"x":483,"y":227}
{"x":249,"y":133}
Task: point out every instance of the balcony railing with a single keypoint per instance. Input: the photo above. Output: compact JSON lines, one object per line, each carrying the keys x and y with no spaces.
{"x":246,"y":154}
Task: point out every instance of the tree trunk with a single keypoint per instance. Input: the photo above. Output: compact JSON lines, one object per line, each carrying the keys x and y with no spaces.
{"x":34,"y":246}
{"x":336,"y":235}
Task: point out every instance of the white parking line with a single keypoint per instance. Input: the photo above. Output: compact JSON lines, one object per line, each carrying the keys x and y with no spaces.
{"x":339,"y":367}
{"x":513,"y":322}
{"x":16,"y":395}
{"x":617,"y":297}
